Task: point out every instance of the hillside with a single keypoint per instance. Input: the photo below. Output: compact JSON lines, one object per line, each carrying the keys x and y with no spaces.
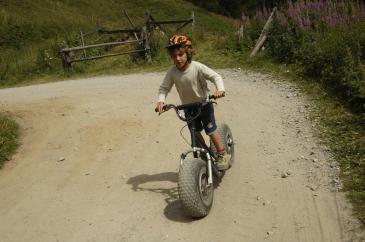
{"x":33,"y":32}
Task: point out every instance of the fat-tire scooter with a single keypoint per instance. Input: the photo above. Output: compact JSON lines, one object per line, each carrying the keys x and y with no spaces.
{"x":198,"y":173}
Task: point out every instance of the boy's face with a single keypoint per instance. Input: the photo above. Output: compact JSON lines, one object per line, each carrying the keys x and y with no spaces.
{"x":180,"y":58}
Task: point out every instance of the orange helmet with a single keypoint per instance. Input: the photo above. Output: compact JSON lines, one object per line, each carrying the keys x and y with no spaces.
{"x":178,"y":40}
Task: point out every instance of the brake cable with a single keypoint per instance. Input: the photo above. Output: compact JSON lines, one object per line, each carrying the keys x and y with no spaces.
{"x":181,"y":134}
{"x":187,"y":121}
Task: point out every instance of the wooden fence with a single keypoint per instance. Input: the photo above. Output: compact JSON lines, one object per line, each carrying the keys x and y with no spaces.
{"x":141,"y":36}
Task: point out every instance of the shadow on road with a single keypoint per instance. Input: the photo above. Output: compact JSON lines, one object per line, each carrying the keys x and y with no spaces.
{"x":173,"y":210}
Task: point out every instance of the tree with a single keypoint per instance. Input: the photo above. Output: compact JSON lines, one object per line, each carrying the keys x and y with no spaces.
{"x":234,"y":8}
{"x":231,"y":7}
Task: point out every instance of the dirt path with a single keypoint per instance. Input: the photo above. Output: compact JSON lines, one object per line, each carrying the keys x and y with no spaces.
{"x":117,"y":181}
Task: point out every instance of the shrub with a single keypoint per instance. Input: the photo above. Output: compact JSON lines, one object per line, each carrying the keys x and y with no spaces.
{"x":330,"y":59}
{"x":9,"y":132}
{"x":48,"y":58}
{"x":158,"y":42}
{"x":283,"y":43}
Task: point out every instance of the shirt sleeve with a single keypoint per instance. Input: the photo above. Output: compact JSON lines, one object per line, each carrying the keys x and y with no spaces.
{"x":212,"y":76}
{"x":165,"y":86}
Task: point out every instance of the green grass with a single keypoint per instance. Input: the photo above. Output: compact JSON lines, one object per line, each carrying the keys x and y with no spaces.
{"x":9,"y":134}
{"x":33,"y":32}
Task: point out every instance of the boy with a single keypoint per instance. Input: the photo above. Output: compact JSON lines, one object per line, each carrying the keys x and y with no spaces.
{"x":190,"y":78}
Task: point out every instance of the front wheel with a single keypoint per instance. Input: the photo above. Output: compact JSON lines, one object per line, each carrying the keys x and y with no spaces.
{"x":196,"y":195}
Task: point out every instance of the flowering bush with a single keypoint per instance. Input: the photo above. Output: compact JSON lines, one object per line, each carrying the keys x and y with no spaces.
{"x":321,"y":15}
{"x":326,"y":39}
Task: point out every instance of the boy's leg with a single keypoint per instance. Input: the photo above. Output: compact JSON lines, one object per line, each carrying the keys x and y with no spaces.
{"x":210,"y":127}
{"x":217,"y":141}
{"x":190,"y":112}
{"x":222,"y":159}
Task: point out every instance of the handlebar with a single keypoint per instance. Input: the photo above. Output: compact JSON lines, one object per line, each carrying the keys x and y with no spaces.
{"x":177,"y":108}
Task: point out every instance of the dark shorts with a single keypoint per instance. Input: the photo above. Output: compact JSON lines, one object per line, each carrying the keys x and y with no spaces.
{"x":205,"y":120}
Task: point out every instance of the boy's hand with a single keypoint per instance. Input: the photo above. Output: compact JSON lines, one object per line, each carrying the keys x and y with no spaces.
{"x":159,"y":107}
{"x":219,"y":94}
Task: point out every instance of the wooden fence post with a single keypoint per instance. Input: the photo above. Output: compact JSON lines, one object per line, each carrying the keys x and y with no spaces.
{"x":240,"y":34}
{"x":83,"y":42}
{"x":148,"y":20}
{"x":66,"y":60}
{"x":192,"y":23}
{"x":98,"y":24}
{"x":263,"y":35}
{"x":147,"y":47}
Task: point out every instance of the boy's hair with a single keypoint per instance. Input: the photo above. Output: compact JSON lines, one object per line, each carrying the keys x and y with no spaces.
{"x":180,"y":42}
{"x":188,"y":50}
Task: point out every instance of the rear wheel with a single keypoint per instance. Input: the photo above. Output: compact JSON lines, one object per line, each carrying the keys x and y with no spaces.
{"x":226,"y":135}
{"x":196,"y":195}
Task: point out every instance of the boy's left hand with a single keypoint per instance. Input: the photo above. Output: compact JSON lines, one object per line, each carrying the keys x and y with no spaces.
{"x":219,"y":94}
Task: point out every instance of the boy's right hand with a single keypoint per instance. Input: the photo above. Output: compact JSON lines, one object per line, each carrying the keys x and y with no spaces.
{"x":159,"y":107}
{"x":219,"y":94}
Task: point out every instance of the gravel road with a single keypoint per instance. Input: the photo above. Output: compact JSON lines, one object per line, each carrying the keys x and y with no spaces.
{"x":97,"y":164}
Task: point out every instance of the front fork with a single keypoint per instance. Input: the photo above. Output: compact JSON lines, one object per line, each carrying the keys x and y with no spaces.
{"x":198,"y":150}
{"x":211,"y":168}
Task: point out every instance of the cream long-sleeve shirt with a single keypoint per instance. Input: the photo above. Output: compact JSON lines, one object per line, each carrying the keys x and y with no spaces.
{"x":190,"y":84}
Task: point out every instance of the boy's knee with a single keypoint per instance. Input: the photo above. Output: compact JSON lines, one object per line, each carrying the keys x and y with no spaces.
{"x":211,"y":129}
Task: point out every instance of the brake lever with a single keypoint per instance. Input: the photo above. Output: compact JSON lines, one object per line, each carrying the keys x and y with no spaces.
{"x":180,"y":115}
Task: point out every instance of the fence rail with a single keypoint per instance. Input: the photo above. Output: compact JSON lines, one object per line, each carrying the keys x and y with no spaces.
{"x":77,"y":48}
{"x":114,"y":31}
{"x":171,"y":21}
{"x":108,"y":55}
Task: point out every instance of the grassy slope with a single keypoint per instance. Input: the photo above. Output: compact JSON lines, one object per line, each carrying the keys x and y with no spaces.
{"x":33,"y":32}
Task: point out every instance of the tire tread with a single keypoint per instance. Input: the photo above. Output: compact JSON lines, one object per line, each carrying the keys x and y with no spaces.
{"x":188,"y":189}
